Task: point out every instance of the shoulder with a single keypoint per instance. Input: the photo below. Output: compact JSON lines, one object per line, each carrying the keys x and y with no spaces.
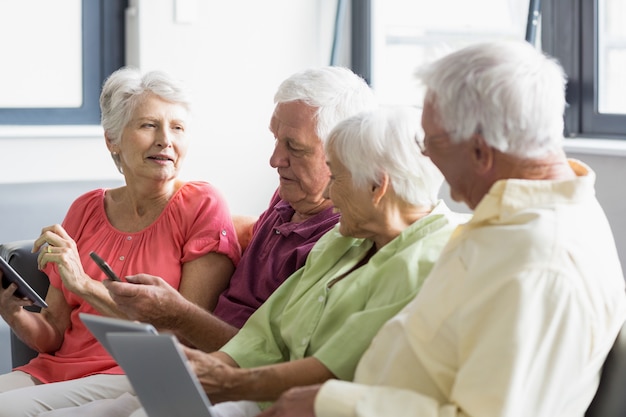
{"x":333,"y":244}
{"x":198,"y":201}
{"x":87,"y":209}
{"x":198,"y":194}
{"x":441,"y":221}
{"x":93,"y":198}
{"x":201,"y":189}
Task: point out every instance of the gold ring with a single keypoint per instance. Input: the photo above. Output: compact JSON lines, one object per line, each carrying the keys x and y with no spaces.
{"x":49,"y":249}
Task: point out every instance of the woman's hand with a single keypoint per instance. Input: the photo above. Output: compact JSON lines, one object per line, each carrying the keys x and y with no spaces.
{"x":10,"y":304}
{"x":218,"y":378}
{"x":58,"y":247}
{"x":41,"y":331}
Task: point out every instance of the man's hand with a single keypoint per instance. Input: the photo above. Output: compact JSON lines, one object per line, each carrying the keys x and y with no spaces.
{"x":297,"y":402}
{"x":148,"y":299}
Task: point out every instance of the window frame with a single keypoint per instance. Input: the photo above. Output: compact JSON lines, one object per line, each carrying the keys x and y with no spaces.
{"x":569,"y":32}
{"x":592,"y":120}
{"x":103,"y":35}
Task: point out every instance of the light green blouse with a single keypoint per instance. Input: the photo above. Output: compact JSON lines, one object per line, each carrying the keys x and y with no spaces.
{"x":309,"y":316}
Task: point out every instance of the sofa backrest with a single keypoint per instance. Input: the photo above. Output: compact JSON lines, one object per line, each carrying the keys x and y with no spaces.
{"x":25,"y":208}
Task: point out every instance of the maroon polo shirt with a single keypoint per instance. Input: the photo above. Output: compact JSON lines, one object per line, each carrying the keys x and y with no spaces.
{"x":278,"y":248}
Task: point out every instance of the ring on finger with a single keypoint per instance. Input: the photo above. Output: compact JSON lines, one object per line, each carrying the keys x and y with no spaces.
{"x":49,"y":249}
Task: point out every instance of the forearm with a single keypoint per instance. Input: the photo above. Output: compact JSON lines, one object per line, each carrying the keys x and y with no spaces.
{"x":94,"y":293}
{"x":267,"y":383}
{"x":35,"y":331}
{"x":200,"y":329}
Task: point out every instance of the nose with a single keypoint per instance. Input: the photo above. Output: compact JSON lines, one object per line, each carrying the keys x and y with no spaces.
{"x":279,"y":158}
{"x":164,"y":138}
{"x":326,"y":193}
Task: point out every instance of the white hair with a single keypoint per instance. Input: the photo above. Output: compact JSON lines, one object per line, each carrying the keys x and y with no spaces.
{"x":384,"y":141}
{"x":509,"y":92}
{"x":335,"y":92}
{"x":123,"y":91}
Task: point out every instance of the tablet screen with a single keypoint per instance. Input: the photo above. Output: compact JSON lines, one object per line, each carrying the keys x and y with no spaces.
{"x":24,"y":290}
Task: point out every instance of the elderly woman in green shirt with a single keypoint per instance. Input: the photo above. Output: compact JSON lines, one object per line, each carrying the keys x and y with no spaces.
{"x":319,"y":322}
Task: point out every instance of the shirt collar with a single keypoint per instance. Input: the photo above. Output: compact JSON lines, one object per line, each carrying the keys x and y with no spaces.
{"x":325,"y":218}
{"x":509,"y":196}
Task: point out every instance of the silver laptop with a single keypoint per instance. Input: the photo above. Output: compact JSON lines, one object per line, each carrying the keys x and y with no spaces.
{"x":160,"y":374}
{"x":99,"y":326}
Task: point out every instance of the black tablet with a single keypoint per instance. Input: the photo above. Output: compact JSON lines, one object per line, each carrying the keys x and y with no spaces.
{"x":24,"y":290}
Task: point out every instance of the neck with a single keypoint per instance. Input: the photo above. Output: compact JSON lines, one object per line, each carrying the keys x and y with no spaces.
{"x":397,"y":220}
{"x":301,"y":215}
{"x":550,"y":167}
{"x":142,"y":199}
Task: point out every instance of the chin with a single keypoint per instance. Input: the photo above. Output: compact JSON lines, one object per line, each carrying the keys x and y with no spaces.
{"x":291,"y":195}
{"x":457,"y":198}
{"x":344,"y":230}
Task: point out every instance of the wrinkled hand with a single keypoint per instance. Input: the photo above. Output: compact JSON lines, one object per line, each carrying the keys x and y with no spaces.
{"x":58,"y":247}
{"x":296,"y":402}
{"x":217,"y":378}
{"x":11,"y":305}
{"x":148,"y":299}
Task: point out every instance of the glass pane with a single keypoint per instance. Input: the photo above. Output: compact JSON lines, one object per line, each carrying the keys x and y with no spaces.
{"x":43,"y":71}
{"x":611,"y":56}
{"x":408,"y":33}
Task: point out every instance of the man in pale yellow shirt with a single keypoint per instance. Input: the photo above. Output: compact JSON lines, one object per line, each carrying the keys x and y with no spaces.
{"x":525,"y":302}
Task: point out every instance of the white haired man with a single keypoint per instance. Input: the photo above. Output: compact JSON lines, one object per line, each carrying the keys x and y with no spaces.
{"x":527,"y":298}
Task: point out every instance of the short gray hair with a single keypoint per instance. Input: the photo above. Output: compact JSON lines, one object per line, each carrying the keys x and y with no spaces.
{"x":384,"y":141}
{"x":509,"y":92}
{"x":335,"y":92}
{"x":123,"y":91}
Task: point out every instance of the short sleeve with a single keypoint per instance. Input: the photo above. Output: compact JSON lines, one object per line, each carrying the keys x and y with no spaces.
{"x":209,"y":222}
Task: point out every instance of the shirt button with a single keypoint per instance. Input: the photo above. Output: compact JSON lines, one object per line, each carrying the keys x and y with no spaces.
{"x":277,"y":231}
{"x":304,"y":341}
{"x":321,"y":299}
{"x":129,"y":238}
{"x":122,"y":258}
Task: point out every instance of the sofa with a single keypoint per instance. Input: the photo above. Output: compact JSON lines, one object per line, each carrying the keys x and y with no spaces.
{"x":27,"y":207}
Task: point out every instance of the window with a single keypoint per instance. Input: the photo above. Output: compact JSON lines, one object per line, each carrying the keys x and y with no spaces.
{"x":409,"y":32}
{"x":611,"y":57}
{"x":588,"y":37}
{"x":61,"y":54}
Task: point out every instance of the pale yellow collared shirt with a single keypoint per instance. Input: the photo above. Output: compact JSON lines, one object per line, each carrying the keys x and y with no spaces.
{"x":515,"y":319}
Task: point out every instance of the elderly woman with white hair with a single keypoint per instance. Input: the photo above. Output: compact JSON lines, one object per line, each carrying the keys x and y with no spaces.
{"x":319,"y":322}
{"x":155,"y":223}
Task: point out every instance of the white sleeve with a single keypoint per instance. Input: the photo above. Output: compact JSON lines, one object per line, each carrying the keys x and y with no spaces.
{"x":345,"y":399}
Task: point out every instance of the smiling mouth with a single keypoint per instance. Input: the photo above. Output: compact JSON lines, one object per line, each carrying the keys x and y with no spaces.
{"x":161,"y":158}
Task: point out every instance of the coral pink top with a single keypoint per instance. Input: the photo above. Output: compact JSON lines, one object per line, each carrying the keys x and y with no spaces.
{"x":195,"y":221}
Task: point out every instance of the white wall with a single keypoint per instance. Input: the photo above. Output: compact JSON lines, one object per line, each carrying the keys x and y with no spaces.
{"x":233,"y":54}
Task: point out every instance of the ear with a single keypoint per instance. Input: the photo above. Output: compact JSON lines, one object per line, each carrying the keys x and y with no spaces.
{"x":482,"y":154}
{"x":113,"y":148}
{"x":379,"y":190}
